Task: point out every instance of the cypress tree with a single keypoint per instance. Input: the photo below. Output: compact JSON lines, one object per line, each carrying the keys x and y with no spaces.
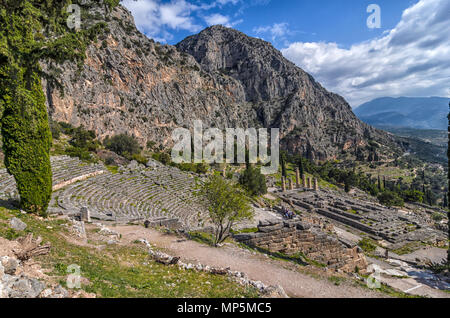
{"x":25,"y":29}
{"x":283,"y":165}
{"x":346,"y":185}
{"x":300,"y":167}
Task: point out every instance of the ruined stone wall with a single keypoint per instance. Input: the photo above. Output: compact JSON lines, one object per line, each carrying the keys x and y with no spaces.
{"x":292,"y":237}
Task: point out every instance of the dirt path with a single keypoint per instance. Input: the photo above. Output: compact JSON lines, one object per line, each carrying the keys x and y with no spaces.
{"x":256,"y":266}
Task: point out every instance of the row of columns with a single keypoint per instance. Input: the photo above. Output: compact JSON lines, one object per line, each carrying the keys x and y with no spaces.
{"x":308,"y":183}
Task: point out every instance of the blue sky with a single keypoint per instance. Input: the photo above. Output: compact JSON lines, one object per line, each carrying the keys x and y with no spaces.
{"x":407,"y":56}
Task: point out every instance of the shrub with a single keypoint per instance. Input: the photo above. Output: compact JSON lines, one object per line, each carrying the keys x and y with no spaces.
{"x":202,"y":168}
{"x":151,"y":145}
{"x":80,"y":153}
{"x":83,"y":139}
{"x":412,"y":196}
{"x":367,"y":245}
{"x":389,"y":198}
{"x":162,"y":157}
{"x":123,"y":145}
{"x":55,"y":130}
{"x":139,"y":158}
{"x":109,"y":161}
{"x":437,"y":217}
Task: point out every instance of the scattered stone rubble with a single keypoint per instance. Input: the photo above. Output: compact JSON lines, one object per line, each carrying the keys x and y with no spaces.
{"x":17,"y":224}
{"x":394,"y":226}
{"x":240,"y":277}
{"x":292,"y":237}
{"x":20,"y":280}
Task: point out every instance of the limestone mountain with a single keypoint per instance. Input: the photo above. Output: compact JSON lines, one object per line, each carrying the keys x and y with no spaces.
{"x":130,"y":84}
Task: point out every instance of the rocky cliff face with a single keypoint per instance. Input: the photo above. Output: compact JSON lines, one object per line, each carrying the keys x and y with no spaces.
{"x":130,"y":84}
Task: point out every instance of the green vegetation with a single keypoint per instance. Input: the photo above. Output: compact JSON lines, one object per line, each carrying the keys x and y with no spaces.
{"x":81,"y":143}
{"x":200,"y":168}
{"x":119,"y":271}
{"x":253,"y":181}
{"x":249,"y":230}
{"x":336,"y":280}
{"x":437,"y":217}
{"x":123,"y":145}
{"x":367,"y":245}
{"x":165,"y":159}
{"x":408,"y":248}
{"x":162,"y":157}
{"x":332,"y":174}
{"x":31,"y":32}
{"x":390,"y":198}
{"x":226,"y":203}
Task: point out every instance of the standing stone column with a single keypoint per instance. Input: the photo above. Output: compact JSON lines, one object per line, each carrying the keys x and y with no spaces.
{"x":283,"y":184}
{"x":291,"y":184}
{"x":224,"y":171}
{"x":304,"y":181}
{"x":309,"y":183}
{"x":85,"y":214}
{"x":316,"y":185}
{"x":297,"y":178}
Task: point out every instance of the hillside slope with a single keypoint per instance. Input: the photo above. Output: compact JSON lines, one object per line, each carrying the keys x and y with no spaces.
{"x":130,"y":84}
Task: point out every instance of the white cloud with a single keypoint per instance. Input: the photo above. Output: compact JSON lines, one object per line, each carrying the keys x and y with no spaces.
{"x":154,"y":17}
{"x":217,"y":18}
{"x":157,"y":18}
{"x":410,"y":60}
{"x":276,"y":30}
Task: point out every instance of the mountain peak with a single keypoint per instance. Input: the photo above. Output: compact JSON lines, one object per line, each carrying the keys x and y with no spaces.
{"x":221,"y":76}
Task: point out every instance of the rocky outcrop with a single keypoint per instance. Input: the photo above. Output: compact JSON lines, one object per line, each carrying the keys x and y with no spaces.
{"x":18,"y":279}
{"x":312,"y":120}
{"x":130,"y":84}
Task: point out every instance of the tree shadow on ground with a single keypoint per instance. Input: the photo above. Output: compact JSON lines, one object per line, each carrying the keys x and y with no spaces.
{"x":10,"y":204}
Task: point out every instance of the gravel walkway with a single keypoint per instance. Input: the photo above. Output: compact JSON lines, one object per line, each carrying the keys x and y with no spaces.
{"x":256,"y":266}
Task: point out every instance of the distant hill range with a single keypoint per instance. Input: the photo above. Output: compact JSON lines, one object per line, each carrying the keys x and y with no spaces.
{"x":405,"y":112}
{"x":432,"y":136}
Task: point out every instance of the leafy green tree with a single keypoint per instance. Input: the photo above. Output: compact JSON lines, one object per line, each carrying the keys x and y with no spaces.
{"x":227,"y":204}
{"x":253,"y":181}
{"x":31,"y":32}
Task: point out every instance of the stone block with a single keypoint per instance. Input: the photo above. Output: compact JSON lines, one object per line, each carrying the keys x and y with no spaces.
{"x":270,"y":228}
